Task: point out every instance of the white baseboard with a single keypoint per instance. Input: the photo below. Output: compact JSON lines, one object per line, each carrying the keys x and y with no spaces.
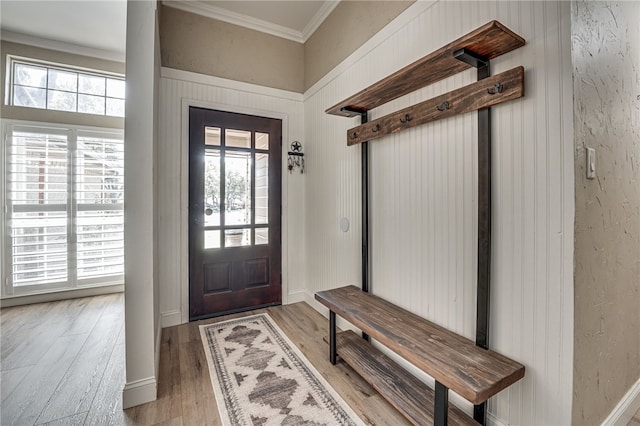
{"x":170,"y":318}
{"x":626,"y":408}
{"x":494,"y":421}
{"x":158,"y":345}
{"x":53,"y":296}
{"x":139,"y":392}
{"x":297,"y":296}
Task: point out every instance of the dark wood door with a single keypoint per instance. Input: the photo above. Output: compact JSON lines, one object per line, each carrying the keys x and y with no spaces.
{"x":234,"y":212}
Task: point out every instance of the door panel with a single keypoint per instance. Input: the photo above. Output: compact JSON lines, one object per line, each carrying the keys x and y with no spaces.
{"x":234,"y":212}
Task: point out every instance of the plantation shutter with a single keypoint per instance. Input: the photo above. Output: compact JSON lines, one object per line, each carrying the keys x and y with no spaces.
{"x":99,"y":198}
{"x":64,"y":208}
{"x":38,"y":207}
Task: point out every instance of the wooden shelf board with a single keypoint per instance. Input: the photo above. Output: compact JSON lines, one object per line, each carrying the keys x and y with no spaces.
{"x":472,"y":372}
{"x":410,"y":396}
{"x":466,"y":99}
{"x":489,"y":41}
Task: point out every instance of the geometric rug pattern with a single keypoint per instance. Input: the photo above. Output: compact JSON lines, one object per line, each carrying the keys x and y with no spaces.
{"x":260,"y":378}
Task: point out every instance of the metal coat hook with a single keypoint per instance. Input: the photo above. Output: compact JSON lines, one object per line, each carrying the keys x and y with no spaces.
{"x":296,"y":157}
{"x":405,"y":119}
{"x":497,"y":88}
{"x":443,"y":106}
{"x":353,"y":135}
{"x":376,"y":128}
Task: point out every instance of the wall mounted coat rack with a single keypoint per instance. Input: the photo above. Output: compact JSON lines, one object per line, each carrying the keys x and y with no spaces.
{"x":485,"y":93}
{"x":487,"y":42}
{"x":436,"y":353}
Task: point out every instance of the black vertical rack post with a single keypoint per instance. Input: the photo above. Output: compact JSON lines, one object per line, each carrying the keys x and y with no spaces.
{"x":484,"y":214}
{"x":364,"y":164}
{"x":364,"y":167}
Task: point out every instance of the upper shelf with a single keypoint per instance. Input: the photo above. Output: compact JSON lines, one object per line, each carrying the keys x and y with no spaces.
{"x":489,"y":41}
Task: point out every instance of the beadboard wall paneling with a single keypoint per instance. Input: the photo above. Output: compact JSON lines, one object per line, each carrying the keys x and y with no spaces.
{"x":178,"y":90}
{"x":424,"y":202}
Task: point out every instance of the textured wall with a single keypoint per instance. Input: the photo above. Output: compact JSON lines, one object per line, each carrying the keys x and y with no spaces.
{"x":349,"y":25}
{"x":199,"y":44}
{"x":423,"y":199}
{"x":605,"y":52}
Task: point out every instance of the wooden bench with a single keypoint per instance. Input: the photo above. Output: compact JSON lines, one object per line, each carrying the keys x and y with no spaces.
{"x":454,"y":361}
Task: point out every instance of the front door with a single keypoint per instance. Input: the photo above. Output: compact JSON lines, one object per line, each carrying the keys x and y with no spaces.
{"x":234,"y":212}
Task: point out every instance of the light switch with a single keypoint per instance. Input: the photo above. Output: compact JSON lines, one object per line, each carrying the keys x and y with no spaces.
{"x":591,"y":163}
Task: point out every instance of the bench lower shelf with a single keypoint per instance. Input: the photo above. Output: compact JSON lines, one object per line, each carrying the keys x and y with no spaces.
{"x":405,"y":392}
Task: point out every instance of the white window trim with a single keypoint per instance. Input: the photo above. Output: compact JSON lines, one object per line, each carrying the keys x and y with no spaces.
{"x":9,"y":82}
{"x":6,"y":289}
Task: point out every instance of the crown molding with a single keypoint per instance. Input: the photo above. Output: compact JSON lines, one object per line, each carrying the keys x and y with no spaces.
{"x":230,"y":17}
{"x":75,"y":49}
{"x":210,"y":11}
{"x":319,"y":18}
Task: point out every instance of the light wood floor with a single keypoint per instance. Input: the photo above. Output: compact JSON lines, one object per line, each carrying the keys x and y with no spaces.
{"x":62,"y":363}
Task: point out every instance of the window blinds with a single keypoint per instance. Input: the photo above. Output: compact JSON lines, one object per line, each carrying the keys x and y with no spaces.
{"x":65,"y":223}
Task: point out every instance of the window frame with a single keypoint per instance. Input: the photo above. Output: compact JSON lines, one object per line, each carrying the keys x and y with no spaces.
{"x":72,"y":132}
{"x":10,"y":83}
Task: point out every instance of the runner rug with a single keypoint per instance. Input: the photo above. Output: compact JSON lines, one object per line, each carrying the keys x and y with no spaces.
{"x":261,"y":378}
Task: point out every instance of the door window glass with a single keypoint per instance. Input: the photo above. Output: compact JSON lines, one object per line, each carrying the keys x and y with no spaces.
{"x":237,"y":138}
{"x":212,"y":188}
{"x":237,"y":188}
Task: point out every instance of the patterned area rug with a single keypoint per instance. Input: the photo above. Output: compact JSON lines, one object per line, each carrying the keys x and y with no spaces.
{"x":261,"y":378}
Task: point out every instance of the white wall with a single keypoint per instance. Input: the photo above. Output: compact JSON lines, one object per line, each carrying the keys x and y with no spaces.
{"x":141,"y":316}
{"x":423,"y":197}
{"x":178,"y":90}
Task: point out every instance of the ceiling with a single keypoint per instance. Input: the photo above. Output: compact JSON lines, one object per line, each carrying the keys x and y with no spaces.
{"x":101,"y":24}
{"x":91,"y":24}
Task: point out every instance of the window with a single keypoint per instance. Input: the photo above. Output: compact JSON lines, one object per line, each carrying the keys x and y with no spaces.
{"x":65,"y":208}
{"x":44,"y":85}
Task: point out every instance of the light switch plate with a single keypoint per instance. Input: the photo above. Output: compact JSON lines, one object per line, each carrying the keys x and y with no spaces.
{"x":591,"y":163}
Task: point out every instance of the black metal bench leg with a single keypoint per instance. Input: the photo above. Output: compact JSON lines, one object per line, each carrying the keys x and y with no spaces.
{"x":332,"y":337}
{"x":480,"y":413}
{"x":441,"y":405}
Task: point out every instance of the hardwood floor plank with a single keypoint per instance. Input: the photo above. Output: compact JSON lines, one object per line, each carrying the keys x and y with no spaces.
{"x":177,"y":421}
{"x":91,"y":311}
{"x":28,"y":345}
{"x":185,"y":393}
{"x":76,"y":390}
{"x":168,"y":406}
{"x":19,"y":323}
{"x":74,"y":420}
{"x":106,"y":408}
{"x":635,"y":420}
{"x":9,"y":379}
{"x":306,"y":328}
{"x":26,"y":402}
{"x":16,"y":317}
{"x":198,"y":402}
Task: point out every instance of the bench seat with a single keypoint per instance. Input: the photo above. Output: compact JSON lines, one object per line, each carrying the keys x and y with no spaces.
{"x":456,"y":362}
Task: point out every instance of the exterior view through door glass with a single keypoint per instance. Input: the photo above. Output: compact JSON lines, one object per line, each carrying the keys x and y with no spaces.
{"x":234,"y":212}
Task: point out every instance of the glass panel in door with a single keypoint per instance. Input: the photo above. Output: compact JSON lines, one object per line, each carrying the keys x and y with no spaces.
{"x":237,"y":188}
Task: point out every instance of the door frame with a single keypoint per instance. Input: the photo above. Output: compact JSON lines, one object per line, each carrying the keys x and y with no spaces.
{"x":184,"y":194}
